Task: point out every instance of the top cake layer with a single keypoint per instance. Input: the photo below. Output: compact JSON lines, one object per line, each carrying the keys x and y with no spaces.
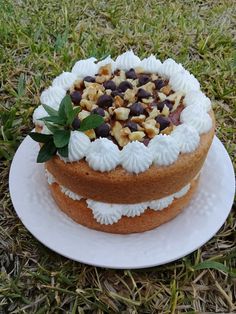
{"x":152,"y":111}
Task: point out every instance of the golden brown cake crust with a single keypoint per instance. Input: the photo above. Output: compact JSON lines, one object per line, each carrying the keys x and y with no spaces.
{"x":119,"y":186}
{"x":150,"y":219}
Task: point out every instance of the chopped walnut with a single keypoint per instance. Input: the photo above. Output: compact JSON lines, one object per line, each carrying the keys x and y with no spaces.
{"x":149,"y":87}
{"x":106,"y":71}
{"x":83,"y":114}
{"x":136,"y":136}
{"x":165,"y":111}
{"x":147,"y":100}
{"x":121,"y":135}
{"x":129,"y":94}
{"x":91,"y":134}
{"x":79,"y":84}
{"x":122,"y":113}
{"x":138,"y":119}
{"x":153,"y":113}
{"x":161,"y":96}
{"x":167,"y":130}
{"x":93,"y":91}
{"x":118,"y":101}
{"x":154,"y":77}
{"x":150,"y":128}
{"x":166,"y":89}
{"x":87,"y":104}
{"x":176,"y":97}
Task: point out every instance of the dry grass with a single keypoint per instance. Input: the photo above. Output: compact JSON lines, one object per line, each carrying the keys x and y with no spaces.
{"x":40,"y":38}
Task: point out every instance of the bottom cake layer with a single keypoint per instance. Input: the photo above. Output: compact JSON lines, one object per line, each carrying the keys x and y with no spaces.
{"x":150,"y":219}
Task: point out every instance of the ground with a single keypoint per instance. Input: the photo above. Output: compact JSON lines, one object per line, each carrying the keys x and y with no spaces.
{"x":39,"y":39}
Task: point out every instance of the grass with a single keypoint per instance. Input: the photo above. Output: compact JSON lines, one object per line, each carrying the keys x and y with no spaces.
{"x":39,"y":39}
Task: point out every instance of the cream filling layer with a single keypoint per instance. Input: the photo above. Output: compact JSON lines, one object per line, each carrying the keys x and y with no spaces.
{"x":108,"y":214}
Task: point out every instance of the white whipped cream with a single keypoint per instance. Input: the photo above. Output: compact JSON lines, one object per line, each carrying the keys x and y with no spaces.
{"x":107,"y":60}
{"x":161,"y":203}
{"x":197,"y":117}
{"x":169,"y":68}
{"x":49,"y":177}
{"x":164,"y":149}
{"x":150,"y":64}
{"x":103,"y":155}
{"x":65,"y":80}
{"x":86,"y":67}
{"x":184,"y":81}
{"x":136,"y":157}
{"x":70,"y":194}
{"x":78,"y":146}
{"x":127,"y":60}
{"x":197,"y":98}
{"x":107,"y":213}
{"x":39,"y":113}
{"x":187,"y":137}
{"x":52,"y":96}
{"x":183,"y":191}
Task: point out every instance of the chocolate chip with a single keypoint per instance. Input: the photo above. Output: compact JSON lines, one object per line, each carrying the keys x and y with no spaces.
{"x":136,"y":109}
{"x":159,"y":84}
{"x":105,"y":101}
{"x":166,"y":102}
{"x":76,"y":123}
{"x":124,"y":86}
{"x":131,"y":74}
{"x":99,"y":111}
{"x":116,"y":93}
{"x":142,"y":94}
{"x":143,"y":79}
{"x":89,"y":79}
{"x":76,"y":97}
{"x":132,"y":126}
{"x":163,"y":121}
{"x":102,"y":130}
{"x":109,"y":85}
{"x":146,"y":141}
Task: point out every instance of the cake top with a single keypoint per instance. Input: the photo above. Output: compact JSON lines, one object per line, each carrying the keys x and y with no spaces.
{"x":127,"y":112}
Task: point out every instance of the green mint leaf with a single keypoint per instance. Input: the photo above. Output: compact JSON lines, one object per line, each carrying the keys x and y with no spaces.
{"x":50,"y":111}
{"x":46,"y":152}
{"x":91,"y":122}
{"x":61,"y":138}
{"x":39,"y":137}
{"x":76,"y":111}
{"x":69,"y":111}
{"x":51,"y":127}
{"x":63,"y":151}
{"x":65,"y":103}
{"x":54,"y":119}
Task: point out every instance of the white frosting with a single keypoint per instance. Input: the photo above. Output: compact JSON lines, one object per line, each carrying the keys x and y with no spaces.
{"x":107,"y":60}
{"x":183,"y":191}
{"x":49,"y":177}
{"x":132,"y":210}
{"x":86,"y":67}
{"x":164,"y":149}
{"x":150,"y":64}
{"x":52,"y":96}
{"x":70,"y":194}
{"x":169,"y":68}
{"x":127,"y":60}
{"x":78,"y":146}
{"x":161,"y":203}
{"x":103,"y":155}
{"x":39,"y":113}
{"x":187,"y":137}
{"x":197,"y":117}
{"x":197,"y":98}
{"x":105,"y":213}
{"x":65,"y":80}
{"x":136,"y":157}
{"x":184,"y":81}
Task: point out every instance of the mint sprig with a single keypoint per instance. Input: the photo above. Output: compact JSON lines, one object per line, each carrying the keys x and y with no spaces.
{"x":59,"y":122}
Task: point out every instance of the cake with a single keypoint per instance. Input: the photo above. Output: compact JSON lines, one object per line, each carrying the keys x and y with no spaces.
{"x":123,"y":141}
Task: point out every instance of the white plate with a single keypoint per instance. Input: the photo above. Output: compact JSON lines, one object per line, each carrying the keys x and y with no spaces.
{"x":188,"y":231}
